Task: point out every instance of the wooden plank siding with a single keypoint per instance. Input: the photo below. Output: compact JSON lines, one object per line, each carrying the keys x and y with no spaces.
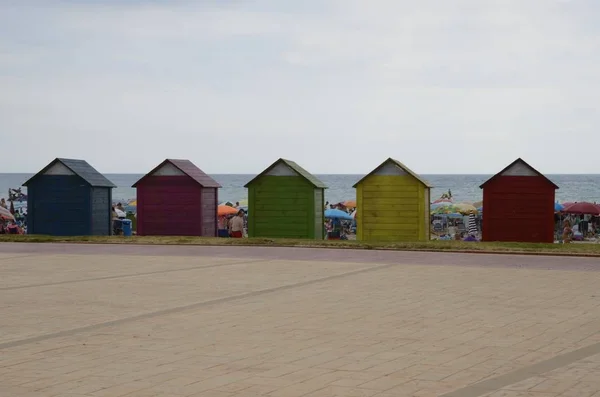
{"x":59,"y":205}
{"x":281,"y":207}
{"x":169,"y":206}
{"x":101,"y":211}
{"x":519,"y":209}
{"x":210,"y":201}
{"x":392,"y":208}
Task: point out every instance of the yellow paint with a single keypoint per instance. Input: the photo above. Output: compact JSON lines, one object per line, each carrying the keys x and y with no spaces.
{"x":392,"y":208}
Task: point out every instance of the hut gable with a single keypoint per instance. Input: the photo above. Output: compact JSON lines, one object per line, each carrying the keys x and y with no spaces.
{"x":519,"y":168}
{"x":283,"y":167}
{"x":175,"y":167}
{"x":58,"y":168}
{"x":391,"y":167}
{"x":80,"y":168}
{"x":168,"y":169}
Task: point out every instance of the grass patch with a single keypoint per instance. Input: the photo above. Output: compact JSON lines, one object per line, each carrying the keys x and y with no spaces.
{"x":444,"y":246}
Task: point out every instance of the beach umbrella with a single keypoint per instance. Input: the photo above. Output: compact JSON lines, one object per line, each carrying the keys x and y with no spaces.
{"x":582,"y":208}
{"x":558,"y":207}
{"x":466,"y":208}
{"x":349,"y":203}
{"x":6,"y":215}
{"x":226,"y":210}
{"x":478,"y":204}
{"x":132,"y":203}
{"x":445,"y":209}
{"x":337,"y":214}
{"x":442,"y":200}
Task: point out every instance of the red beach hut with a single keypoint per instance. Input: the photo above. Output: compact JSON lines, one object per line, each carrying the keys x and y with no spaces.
{"x":518,"y":205}
{"x":177,"y":199}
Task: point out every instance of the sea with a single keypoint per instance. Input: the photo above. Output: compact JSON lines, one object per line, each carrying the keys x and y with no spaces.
{"x":463,"y":187}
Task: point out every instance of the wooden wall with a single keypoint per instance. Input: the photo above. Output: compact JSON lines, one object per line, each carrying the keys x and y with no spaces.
{"x":282,"y":207}
{"x":392,"y":208}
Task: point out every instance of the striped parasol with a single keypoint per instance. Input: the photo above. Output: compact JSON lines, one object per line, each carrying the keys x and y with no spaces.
{"x":472,"y":226}
{"x":6,"y":215}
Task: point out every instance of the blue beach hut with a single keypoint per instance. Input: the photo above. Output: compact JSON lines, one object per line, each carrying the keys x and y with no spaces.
{"x":69,"y":198}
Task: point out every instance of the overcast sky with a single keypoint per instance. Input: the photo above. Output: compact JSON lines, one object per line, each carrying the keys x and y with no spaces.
{"x":460,"y":86}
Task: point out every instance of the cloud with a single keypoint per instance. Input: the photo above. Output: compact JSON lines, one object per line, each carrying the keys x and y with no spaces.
{"x":461,"y":86}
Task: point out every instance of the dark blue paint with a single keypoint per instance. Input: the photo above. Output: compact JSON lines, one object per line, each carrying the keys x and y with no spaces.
{"x":66,"y":205}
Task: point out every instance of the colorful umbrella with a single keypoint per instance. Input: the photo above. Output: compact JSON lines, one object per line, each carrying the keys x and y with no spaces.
{"x":337,"y":214}
{"x":6,"y":215}
{"x":478,"y":204}
{"x":349,"y":203}
{"x":582,"y":208}
{"x":223,"y":210}
{"x":445,"y":209}
{"x":466,"y":208}
{"x":558,"y":207}
{"x":132,"y":203}
{"x":442,"y":200}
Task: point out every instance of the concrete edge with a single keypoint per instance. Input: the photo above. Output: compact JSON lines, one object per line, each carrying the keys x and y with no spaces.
{"x":360,"y":248}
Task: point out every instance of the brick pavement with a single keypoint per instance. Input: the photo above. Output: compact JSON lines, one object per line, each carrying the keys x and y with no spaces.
{"x":100,"y":323}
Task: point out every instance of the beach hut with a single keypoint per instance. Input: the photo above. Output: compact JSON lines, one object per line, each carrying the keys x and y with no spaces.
{"x":177,"y":198}
{"x":518,"y":205}
{"x":392,"y":204}
{"x":286,"y":201}
{"x":69,"y":198}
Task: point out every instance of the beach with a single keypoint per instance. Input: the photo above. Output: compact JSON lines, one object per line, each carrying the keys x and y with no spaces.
{"x":464,"y":187}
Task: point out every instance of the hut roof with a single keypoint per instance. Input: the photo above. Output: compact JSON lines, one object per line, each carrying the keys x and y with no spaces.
{"x":316,"y":182}
{"x":521,"y":161}
{"x":188,"y":168}
{"x":401,"y":166}
{"x":80,"y":168}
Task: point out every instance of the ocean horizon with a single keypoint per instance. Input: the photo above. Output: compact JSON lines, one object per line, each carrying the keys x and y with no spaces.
{"x":464,"y":187}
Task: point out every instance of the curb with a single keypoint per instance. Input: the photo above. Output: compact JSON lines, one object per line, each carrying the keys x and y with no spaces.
{"x":360,"y":248}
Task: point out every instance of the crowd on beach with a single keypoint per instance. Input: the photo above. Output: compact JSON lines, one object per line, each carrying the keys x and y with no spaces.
{"x":449,"y":221}
{"x":12,"y":221}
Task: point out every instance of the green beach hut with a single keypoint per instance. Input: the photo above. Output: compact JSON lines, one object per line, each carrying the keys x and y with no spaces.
{"x":285,"y":201}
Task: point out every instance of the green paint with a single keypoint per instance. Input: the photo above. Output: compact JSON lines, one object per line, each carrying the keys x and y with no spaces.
{"x":282,"y":207}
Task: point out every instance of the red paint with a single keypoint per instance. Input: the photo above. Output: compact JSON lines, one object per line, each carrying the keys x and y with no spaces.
{"x":177,"y":205}
{"x":518,"y":209}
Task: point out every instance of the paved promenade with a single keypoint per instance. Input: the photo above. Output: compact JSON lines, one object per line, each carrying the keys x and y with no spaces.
{"x":145,"y":321}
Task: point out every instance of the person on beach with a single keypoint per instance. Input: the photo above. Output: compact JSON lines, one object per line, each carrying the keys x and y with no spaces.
{"x":3,"y":203}
{"x":567,"y":233}
{"x":236,"y":225}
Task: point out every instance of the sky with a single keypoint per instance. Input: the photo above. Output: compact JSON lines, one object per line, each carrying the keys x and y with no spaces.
{"x":446,"y":87}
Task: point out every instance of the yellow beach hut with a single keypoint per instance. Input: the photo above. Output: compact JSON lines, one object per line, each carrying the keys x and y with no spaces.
{"x":392,"y":204}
